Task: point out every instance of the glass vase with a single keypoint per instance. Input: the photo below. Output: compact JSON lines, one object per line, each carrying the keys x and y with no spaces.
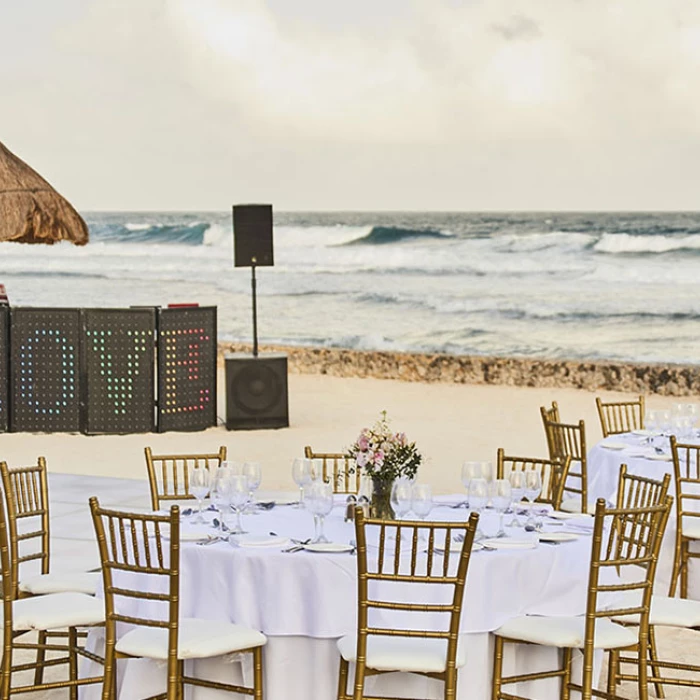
{"x":380,"y":506}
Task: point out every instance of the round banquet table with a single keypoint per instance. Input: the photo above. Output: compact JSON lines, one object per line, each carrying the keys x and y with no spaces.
{"x":642,"y":459}
{"x":305,"y":601}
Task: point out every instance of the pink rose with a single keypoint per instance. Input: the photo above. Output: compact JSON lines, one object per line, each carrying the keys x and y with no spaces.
{"x":379,"y":458}
{"x":361,"y":459}
{"x":363,"y":443}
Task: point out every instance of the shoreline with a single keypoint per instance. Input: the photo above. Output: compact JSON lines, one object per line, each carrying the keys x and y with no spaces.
{"x":589,"y":375}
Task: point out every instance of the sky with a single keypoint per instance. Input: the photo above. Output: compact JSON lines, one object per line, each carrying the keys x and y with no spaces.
{"x":465,"y":105}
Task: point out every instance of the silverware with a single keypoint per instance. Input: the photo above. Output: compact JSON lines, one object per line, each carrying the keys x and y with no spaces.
{"x":461,"y":504}
{"x":296,"y":548}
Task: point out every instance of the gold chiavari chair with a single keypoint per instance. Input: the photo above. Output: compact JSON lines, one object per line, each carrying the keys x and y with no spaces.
{"x":664,"y":611}
{"x":169,"y":475}
{"x":42,"y":614}
{"x":620,"y":416}
{"x":377,"y":647}
{"x":550,"y":415}
{"x":134,"y":552}
{"x":569,"y":440}
{"x":26,"y":502}
{"x":596,"y":629}
{"x":553,"y":474}
{"x":339,"y":469}
{"x":686,"y":469}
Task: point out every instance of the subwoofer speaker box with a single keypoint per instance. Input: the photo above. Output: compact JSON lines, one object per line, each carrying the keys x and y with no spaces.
{"x":252,"y":235}
{"x":256,"y":391}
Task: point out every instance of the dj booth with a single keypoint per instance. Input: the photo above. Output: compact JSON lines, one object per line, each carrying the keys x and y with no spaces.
{"x":131,"y":370}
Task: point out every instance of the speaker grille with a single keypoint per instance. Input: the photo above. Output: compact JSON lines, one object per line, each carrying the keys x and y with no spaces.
{"x":256,"y":388}
{"x":252,"y":235}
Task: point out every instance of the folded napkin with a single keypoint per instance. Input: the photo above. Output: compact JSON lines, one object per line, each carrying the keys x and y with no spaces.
{"x":612,"y":445}
{"x":259,"y":541}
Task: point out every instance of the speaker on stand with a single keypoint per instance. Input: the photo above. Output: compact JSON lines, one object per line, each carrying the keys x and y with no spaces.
{"x":256,"y":385}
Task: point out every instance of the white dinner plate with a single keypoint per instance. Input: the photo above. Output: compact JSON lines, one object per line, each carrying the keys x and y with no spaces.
{"x":508,"y":543}
{"x":190,"y":535}
{"x":476,"y":546}
{"x":613,"y":445}
{"x":644,"y":433}
{"x":250,"y":540}
{"x":557,"y":536}
{"x":564,"y":515}
{"x":328,"y":547}
{"x":659,"y":458}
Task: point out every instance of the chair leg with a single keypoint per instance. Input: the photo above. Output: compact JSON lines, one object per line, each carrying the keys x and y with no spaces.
{"x":675,"y":570}
{"x":343,"y":679}
{"x":40,"y":658}
{"x":642,"y":670}
{"x":109,"y":684}
{"x":359,"y":690}
{"x":258,"y":673}
{"x":653,"y":660}
{"x":73,"y":662}
{"x":6,"y":674}
{"x":450,"y":684}
{"x":497,"y":668}
{"x":180,"y":680}
{"x":566,"y":679}
{"x":684,"y":569}
{"x":613,"y":670}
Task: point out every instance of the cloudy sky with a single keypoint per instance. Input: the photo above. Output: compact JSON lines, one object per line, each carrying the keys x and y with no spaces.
{"x":368,"y":104}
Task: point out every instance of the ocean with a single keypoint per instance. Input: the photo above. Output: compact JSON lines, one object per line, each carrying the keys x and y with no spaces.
{"x":614,"y":286}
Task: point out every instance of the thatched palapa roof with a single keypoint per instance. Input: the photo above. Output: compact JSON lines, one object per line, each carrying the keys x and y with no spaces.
{"x":31,"y":211}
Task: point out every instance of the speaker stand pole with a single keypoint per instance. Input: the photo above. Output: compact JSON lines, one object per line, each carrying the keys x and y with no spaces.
{"x":255,"y":311}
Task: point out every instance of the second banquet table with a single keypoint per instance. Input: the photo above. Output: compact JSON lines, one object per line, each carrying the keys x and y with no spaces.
{"x":305,"y":601}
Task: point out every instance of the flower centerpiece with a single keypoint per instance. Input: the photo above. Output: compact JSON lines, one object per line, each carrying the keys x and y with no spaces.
{"x":384,"y":456}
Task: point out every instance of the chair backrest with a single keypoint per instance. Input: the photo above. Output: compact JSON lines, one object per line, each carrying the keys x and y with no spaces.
{"x":26,"y":497}
{"x":569,"y":440}
{"x":620,"y":416}
{"x":339,"y":469}
{"x":398,"y":548}
{"x":142,"y":548}
{"x":549,"y":415}
{"x":686,"y":471}
{"x":635,"y":491}
{"x":9,"y":583}
{"x":634,"y":557}
{"x":169,"y":475}
{"x":553,"y":473}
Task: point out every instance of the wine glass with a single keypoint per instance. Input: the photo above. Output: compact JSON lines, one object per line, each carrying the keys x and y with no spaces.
{"x":693,"y":413}
{"x":319,"y":501}
{"x":470,"y":470}
{"x":664,"y":418}
{"x":253,"y":473}
{"x":401,"y":495}
{"x":478,"y":498}
{"x":221,"y":493}
{"x":421,"y":502}
{"x":651,"y":420}
{"x":239,"y":497}
{"x":501,"y":497}
{"x":517,"y":490}
{"x":301,"y":473}
{"x":533,"y":488}
{"x":488,"y":473}
{"x":200,"y":480}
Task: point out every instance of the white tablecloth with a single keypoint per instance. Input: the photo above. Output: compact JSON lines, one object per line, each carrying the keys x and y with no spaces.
{"x":643,"y":460}
{"x":304,"y":601}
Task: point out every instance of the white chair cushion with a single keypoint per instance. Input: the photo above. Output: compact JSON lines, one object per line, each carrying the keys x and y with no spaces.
{"x":57,"y":611}
{"x":566,"y":632}
{"x":197,"y":639}
{"x":74,"y":582}
{"x":691,"y":528}
{"x":402,"y":653}
{"x":665,"y":611}
{"x":573,"y":505}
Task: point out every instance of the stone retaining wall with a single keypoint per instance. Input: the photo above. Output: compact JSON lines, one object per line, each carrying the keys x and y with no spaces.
{"x":669,"y":380}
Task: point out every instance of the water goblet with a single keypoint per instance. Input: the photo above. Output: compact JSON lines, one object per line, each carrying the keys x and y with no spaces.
{"x":253,"y":473}
{"x":478,"y":498}
{"x":501,"y":498}
{"x":693,"y":413}
{"x":320,"y":503}
{"x":664,"y":421}
{"x":470,"y":470}
{"x":651,"y":420}
{"x":301,"y":473}
{"x":488,"y":473}
{"x":517,"y":489}
{"x":221,"y":493}
{"x":533,"y":488}
{"x":200,"y":480}
{"x":421,"y":502}
{"x":239,"y":497}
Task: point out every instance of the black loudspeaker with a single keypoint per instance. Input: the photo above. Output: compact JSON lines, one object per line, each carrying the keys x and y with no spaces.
{"x":252,"y":235}
{"x":256,"y":391}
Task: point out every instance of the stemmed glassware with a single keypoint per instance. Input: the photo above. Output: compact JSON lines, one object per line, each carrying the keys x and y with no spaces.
{"x":253,"y":473}
{"x":517,"y":489}
{"x":319,"y":500}
{"x":478,"y":498}
{"x":501,"y":497}
{"x":401,"y":496}
{"x":470,"y":470}
{"x":239,"y":497}
{"x":221,"y":493}
{"x":421,"y":502}
{"x":302,"y":475}
{"x":200,"y":481}
{"x":651,"y":420}
{"x":533,"y":488}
